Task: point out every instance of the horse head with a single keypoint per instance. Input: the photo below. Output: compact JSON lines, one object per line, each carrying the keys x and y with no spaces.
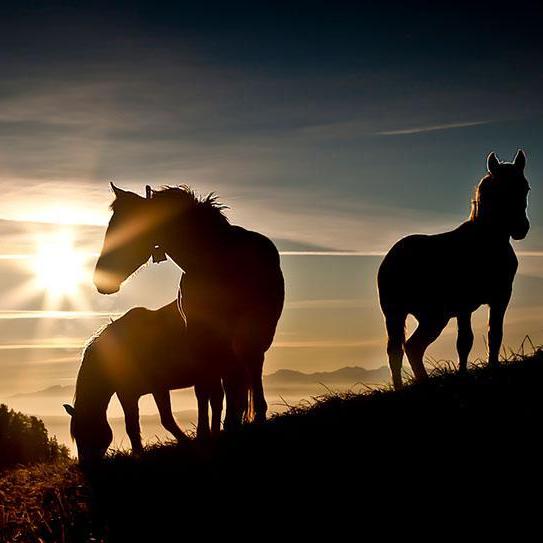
{"x":139,"y":227}
{"x":129,"y":241}
{"x":91,"y":432}
{"x":502,"y":197}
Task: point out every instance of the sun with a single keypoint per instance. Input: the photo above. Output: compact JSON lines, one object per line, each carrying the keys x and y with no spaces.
{"x":60,"y":269}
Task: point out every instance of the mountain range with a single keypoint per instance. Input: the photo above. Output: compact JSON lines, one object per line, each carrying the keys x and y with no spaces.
{"x":347,"y":376}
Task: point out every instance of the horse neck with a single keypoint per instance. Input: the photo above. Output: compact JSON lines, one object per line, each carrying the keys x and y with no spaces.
{"x":489,"y":230}
{"x":197,"y":251}
{"x":92,"y":392}
{"x":92,"y":409}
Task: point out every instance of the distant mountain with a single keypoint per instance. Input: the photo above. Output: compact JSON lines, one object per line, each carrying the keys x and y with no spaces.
{"x":348,"y":375}
{"x":50,"y":392}
{"x":184,"y":416}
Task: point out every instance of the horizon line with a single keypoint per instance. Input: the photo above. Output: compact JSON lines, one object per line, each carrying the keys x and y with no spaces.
{"x":28,"y":256}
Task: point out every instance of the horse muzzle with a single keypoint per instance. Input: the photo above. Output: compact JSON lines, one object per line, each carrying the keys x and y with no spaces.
{"x":106,"y":282}
{"x":106,"y":290}
{"x":521,"y":232}
{"x":90,"y":458}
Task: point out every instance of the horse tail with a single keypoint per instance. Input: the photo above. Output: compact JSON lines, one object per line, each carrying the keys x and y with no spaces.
{"x":254,"y":390}
{"x":249,"y":408}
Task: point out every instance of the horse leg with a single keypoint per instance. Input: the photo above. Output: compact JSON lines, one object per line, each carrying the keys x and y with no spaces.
{"x":495,"y":330}
{"x":202,"y":396}
{"x":216,"y":400}
{"x":464,"y":341}
{"x":235,"y":387}
{"x":130,"y":407}
{"x":163,"y":403}
{"x":395,"y":325}
{"x":426,"y":333}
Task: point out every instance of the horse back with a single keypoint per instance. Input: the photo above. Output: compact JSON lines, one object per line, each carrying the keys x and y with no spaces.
{"x":446,"y":273}
{"x":145,"y":349}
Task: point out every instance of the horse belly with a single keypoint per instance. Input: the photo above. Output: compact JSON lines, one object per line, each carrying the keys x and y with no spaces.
{"x":422,"y":277}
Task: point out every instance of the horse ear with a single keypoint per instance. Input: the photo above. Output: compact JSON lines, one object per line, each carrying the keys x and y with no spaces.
{"x":116,"y":190}
{"x":492,"y":163}
{"x":148,"y":192}
{"x":520,"y":160}
{"x":69,"y":409}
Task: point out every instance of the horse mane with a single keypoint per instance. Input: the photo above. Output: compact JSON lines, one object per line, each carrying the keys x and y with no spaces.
{"x":476,"y":201}
{"x":90,"y":373}
{"x":209,"y":208}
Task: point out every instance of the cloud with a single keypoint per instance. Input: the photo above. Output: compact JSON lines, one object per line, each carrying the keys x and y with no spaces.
{"x":54,"y":315}
{"x":432,"y":128}
{"x":340,"y":303}
{"x":326,"y":344}
{"x":343,"y":224}
{"x":60,"y":344}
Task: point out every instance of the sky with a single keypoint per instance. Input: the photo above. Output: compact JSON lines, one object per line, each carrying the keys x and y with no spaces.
{"x":334,"y":128}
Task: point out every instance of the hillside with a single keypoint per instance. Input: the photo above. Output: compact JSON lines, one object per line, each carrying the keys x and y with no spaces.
{"x":284,"y":388}
{"x":457,"y":437}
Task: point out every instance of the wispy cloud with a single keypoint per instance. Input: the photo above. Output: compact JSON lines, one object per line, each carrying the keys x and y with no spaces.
{"x":431,"y":128}
{"x":339,"y":303}
{"x":16,"y":256}
{"x":332,"y":253}
{"x":326,"y":344}
{"x":69,"y":344}
{"x":69,"y":315}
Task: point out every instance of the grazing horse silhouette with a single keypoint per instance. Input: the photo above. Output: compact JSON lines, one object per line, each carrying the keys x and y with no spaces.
{"x":142,"y":352}
{"x":437,"y":277}
{"x":231,"y":292}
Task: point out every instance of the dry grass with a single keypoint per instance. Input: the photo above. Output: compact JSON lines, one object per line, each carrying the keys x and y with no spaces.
{"x":44,"y":503}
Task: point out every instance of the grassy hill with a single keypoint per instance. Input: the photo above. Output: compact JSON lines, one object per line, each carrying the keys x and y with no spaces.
{"x":456,"y":441}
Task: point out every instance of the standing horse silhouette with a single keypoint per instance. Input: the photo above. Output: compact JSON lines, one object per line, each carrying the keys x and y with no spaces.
{"x":142,"y":352}
{"x":231,"y":292}
{"x":437,"y":277}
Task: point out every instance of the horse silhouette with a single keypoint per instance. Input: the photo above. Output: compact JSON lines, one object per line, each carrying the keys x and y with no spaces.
{"x":142,"y":352}
{"x":231,"y":291}
{"x":438,"y":277}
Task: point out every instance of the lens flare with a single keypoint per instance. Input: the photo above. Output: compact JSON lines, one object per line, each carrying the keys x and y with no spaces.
{"x":60,"y":270}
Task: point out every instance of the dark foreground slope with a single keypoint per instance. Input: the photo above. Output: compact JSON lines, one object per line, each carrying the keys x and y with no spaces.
{"x":456,"y":444}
